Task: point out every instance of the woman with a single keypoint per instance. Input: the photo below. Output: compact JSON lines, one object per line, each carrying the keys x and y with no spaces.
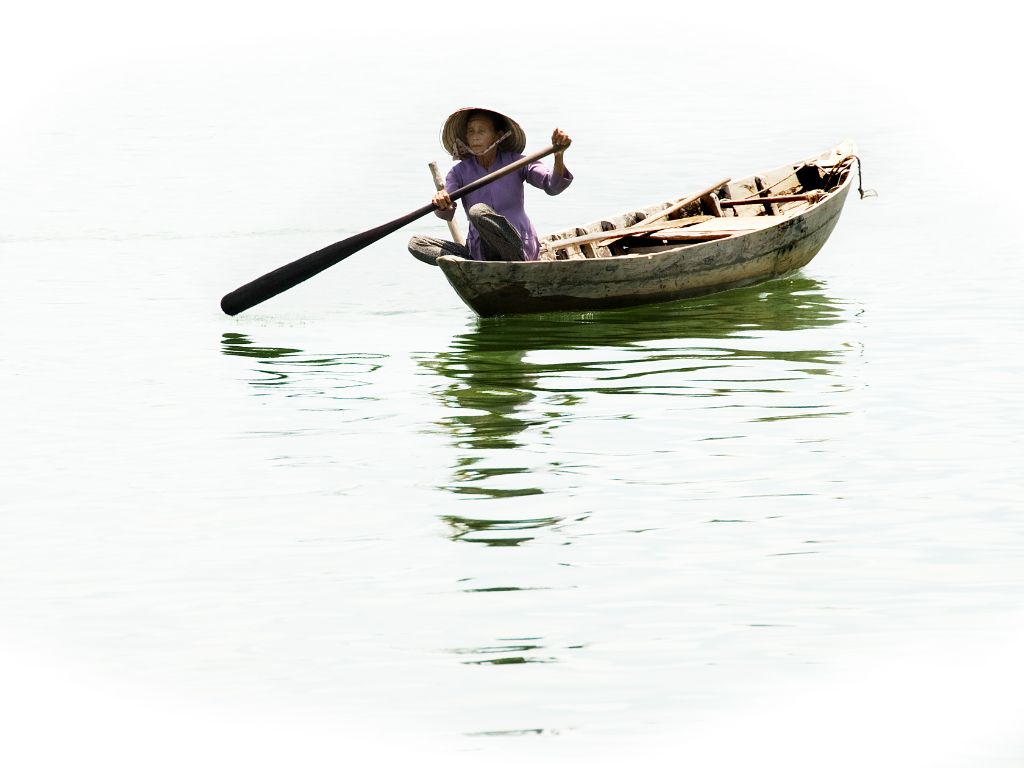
{"x":499,"y":229}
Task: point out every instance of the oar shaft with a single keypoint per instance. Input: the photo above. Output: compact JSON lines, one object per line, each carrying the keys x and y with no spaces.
{"x":290,"y":275}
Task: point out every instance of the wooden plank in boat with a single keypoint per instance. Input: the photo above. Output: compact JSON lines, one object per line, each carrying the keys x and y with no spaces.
{"x":687,"y":233}
{"x":611,"y":235}
{"x":716,"y":229}
{"x":738,"y":224}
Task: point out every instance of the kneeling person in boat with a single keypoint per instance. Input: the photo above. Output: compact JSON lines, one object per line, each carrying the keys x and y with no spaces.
{"x":499,"y":229}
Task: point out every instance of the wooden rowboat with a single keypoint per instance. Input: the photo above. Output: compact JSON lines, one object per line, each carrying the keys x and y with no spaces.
{"x":728,"y":235}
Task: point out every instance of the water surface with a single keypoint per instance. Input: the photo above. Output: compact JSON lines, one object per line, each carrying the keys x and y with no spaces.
{"x":540,"y":536}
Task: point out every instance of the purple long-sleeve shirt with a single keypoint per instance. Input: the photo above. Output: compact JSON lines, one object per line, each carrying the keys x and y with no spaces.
{"x":504,"y":195}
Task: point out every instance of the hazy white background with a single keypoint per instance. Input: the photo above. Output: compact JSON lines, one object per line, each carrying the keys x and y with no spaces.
{"x":85,"y":87}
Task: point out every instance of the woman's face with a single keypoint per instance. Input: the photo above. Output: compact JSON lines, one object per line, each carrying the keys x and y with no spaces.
{"x":480,"y":133}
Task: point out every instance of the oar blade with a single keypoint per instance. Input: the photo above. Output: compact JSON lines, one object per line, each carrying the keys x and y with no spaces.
{"x":300,"y":270}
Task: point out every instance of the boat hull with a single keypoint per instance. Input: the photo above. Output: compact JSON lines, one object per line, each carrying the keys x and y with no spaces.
{"x":500,"y":288}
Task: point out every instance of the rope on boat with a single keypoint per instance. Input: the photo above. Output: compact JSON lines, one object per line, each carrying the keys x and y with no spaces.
{"x":860,"y":181}
{"x":832,"y":177}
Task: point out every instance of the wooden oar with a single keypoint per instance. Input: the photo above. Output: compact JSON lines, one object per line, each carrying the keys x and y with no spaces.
{"x":290,"y":275}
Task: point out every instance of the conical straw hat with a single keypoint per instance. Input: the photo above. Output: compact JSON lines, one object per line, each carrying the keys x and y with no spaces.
{"x":455,"y":128}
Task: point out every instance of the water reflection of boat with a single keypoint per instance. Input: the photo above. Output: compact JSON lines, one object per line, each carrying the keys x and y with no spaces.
{"x":791,"y":304}
{"x":500,"y":382}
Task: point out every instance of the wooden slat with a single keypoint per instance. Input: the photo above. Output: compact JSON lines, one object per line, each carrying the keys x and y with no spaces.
{"x":810,"y":196}
{"x":762,"y":191}
{"x":738,"y":224}
{"x":677,"y":235}
{"x":715,"y":229}
{"x":710,"y":202}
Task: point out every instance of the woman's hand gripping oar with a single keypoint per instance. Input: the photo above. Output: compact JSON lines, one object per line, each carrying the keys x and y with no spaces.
{"x":439,"y":185}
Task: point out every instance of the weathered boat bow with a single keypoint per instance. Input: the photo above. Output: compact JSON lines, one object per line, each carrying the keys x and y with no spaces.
{"x":732,"y":234}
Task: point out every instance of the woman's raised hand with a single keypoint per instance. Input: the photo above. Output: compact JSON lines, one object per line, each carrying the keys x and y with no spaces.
{"x":560,"y":139}
{"x":441,"y":200}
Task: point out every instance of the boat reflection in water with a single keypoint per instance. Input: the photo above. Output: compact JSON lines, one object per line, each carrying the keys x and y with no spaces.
{"x":512,"y":383}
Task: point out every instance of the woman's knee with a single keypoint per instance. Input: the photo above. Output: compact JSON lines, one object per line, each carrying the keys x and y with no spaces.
{"x":426,"y":249}
{"x":479,"y":210}
{"x":419,"y":243}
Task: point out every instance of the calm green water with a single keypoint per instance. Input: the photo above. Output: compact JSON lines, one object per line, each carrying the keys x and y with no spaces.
{"x":360,"y":508}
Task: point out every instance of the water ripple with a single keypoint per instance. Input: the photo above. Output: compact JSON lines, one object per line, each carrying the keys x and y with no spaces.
{"x":295,"y":373}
